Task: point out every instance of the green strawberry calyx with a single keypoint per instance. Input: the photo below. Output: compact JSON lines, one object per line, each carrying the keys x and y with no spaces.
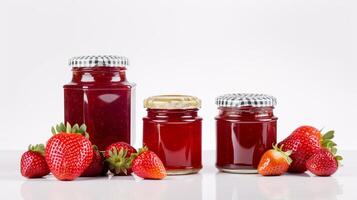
{"x":118,"y":160}
{"x":76,"y":129}
{"x":141,"y":150}
{"x":285,"y":154}
{"x":327,"y":143}
{"x":39,"y":148}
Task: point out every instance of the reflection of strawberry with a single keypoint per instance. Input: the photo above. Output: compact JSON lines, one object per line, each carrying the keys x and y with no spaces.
{"x":33,"y":163}
{"x":98,"y":166}
{"x":118,"y":158}
{"x":274,"y":162}
{"x":323,"y":163}
{"x":304,"y":142}
{"x":146,"y":164}
{"x":68,"y":152}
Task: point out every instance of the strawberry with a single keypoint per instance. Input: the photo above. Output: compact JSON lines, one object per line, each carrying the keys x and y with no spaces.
{"x":33,"y":163}
{"x":118,"y":158}
{"x":68,"y":152}
{"x":146,"y":164}
{"x":323,"y":163}
{"x":274,"y":162}
{"x":304,"y":142}
{"x":98,"y":166}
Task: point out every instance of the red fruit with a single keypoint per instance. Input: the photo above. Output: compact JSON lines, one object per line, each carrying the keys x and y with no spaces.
{"x":274,"y":162}
{"x":33,"y":163}
{"x":147,"y":164}
{"x":304,"y":142}
{"x":98,"y":166}
{"x":323,"y":163}
{"x":118,"y":157}
{"x":68,"y":152}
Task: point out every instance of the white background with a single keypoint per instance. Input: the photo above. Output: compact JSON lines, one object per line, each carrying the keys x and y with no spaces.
{"x":302,"y":52}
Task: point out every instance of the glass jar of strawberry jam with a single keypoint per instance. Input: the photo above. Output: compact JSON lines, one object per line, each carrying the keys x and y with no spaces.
{"x":172,"y":129}
{"x":100,"y":96}
{"x":245,"y":128}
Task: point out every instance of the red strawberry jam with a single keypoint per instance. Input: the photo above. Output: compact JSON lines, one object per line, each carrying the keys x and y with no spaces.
{"x":172,"y":129}
{"x":100,"y":96}
{"x":246,"y":128}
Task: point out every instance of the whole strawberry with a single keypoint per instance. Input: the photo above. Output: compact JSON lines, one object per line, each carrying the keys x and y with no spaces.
{"x":146,"y":164}
{"x":323,"y":163}
{"x":304,"y":142}
{"x":33,"y":163}
{"x":118,"y":157}
{"x":68,"y":152}
{"x":274,"y":162}
{"x":98,"y":166}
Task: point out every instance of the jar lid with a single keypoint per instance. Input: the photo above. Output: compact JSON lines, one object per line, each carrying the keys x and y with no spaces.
{"x":172,"y":102}
{"x":99,"y":61}
{"x":245,"y":99}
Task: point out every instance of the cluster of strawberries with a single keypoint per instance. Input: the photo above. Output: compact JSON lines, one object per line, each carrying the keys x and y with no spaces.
{"x":305,"y":149}
{"x":69,"y":154}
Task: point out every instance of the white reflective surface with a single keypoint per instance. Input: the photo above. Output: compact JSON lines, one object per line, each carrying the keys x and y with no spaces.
{"x":208,"y":184}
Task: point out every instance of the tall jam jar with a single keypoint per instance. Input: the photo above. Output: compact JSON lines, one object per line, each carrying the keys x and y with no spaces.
{"x":172,"y":129}
{"x":100,"y":96}
{"x":245,"y":128}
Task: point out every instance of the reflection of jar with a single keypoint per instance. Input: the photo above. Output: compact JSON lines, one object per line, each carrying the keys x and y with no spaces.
{"x":172,"y":129}
{"x":246,"y":128}
{"x":100,"y":96}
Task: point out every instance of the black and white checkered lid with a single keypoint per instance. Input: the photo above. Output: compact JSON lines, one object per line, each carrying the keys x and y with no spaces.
{"x":99,"y":61}
{"x":245,"y":99}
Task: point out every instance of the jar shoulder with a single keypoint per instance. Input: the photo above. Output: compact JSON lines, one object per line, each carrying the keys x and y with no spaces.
{"x":246,"y":114}
{"x":93,"y":85}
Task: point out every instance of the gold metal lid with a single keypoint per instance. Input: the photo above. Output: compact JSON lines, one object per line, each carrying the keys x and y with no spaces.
{"x":172,"y":102}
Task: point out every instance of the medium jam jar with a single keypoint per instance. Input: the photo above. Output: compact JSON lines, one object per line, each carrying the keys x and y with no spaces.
{"x":172,"y":129}
{"x":245,"y":128}
{"x":100,"y":96}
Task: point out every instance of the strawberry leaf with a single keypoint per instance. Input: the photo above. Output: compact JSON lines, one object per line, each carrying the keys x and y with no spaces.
{"x":75,"y":129}
{"x":329,"y":135}
{"x":53,"y":130}
{"x":83,"y":127}
{"x":62,"y":127}
{"x":333,"y":150}
{"x":338,"y":158}
{"x":68,"y":128}
{"x":58,"y":128}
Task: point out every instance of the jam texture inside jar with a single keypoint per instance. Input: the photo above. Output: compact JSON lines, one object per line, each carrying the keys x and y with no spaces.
{"x":246,"y":128}
{"x":172,"y":129}
{"x":100,"y":96}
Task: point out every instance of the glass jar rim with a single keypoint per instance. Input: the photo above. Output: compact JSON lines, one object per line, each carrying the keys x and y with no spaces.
{"x":98,"y":69}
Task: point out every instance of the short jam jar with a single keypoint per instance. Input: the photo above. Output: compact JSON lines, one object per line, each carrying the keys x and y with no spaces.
{"x":100,"y":96}
{"x":172,"y":129}
{"x":245,"y":128}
